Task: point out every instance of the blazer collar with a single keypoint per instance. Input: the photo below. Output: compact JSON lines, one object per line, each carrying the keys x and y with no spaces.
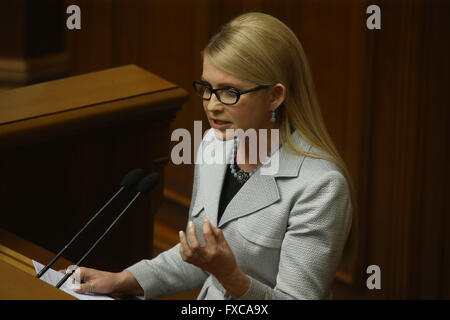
{"x":260,"y":191}
{"x":290,"y":163}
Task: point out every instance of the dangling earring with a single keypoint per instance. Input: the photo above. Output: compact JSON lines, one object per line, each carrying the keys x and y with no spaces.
{"x":273,"y":119}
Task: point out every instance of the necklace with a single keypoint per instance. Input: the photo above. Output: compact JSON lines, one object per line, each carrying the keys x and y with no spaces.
{"x":242,"y":176}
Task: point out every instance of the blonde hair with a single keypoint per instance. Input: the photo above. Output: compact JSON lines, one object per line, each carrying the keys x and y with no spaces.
{"x":261,"y":49}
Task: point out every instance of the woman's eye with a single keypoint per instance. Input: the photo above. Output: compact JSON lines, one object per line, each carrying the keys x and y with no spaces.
{"x":228,"y":93}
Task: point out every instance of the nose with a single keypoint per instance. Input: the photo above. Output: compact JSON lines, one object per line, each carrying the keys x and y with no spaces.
{"x":214,"y":104}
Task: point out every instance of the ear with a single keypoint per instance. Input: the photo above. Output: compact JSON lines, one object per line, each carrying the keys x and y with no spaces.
{"x":277,"y":96}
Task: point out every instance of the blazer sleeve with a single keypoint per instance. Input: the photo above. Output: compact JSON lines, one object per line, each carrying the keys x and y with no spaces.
{"x":317,"y":230}
{"x":168,"y":273}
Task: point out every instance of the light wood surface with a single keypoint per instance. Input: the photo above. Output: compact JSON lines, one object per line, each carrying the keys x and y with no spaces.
{"x":79,"y":92}
{"x":17,"y":274}
{"x":99,"y":99}
{"x":19,"y":252}
{"x":20,"y":285}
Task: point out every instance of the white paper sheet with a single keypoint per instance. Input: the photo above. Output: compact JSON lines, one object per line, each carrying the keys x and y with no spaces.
{"x":52,"y":277}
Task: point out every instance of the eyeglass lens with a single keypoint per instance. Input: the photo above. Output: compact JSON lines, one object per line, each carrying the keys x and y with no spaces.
{"x":225,"y":95}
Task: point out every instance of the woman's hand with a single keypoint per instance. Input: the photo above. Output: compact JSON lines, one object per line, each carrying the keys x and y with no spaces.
{"x":216,"y":257}
{"x":102,"y":282}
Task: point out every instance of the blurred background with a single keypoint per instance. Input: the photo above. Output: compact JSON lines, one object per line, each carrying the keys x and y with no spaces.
{"x":384,"y":95}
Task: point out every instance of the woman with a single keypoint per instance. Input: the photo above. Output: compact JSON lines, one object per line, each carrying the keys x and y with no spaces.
{"x":250,"y":235}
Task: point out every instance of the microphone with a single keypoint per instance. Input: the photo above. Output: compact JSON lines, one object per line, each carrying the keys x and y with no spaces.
{"x":127,"y":183}
{"x":147,"y":184}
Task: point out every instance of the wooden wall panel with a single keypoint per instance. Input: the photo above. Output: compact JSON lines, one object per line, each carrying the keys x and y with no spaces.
{"x":429,"y":262}
{"x":31,"y":42}
{"x":383,"y":94}
{"x":405,"y":207}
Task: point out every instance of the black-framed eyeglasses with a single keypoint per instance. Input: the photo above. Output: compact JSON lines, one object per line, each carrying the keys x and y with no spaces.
{"x":226,"y":96}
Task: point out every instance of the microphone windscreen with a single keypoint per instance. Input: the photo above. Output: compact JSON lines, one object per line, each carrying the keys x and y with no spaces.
{"x":131,"y":178}
{"x":148,"y":183}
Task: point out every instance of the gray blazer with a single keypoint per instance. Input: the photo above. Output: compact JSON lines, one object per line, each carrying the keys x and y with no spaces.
{"x":287,"y":230}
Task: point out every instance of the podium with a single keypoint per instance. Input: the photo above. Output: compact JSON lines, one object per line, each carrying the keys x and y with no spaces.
{"x":17,"y":275}
{"x":65,"y":146}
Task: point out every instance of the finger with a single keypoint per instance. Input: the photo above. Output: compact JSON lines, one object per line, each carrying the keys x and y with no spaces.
{"x":83,"y":288}
{"x":66,"y":270}
{"x":216,"y":231}
{"x":87,"y":287}
{"x":185,"y":250}
{"x":193,"y":240}
{"x":208,"y":233}
{"x":82,"y":274}
{"x":219,"y":236}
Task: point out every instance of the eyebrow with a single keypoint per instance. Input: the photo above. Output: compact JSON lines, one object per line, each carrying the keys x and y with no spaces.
{"x":224,"y":84}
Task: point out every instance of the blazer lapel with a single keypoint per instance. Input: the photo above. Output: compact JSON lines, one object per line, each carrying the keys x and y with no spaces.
{"x":215,"y":173}
{"x":216,"y":155}
{"x":260,"y":190}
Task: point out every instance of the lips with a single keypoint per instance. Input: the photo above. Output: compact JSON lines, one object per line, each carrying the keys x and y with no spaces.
{"x":220,"y":124}
{"x":220,"y":121}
